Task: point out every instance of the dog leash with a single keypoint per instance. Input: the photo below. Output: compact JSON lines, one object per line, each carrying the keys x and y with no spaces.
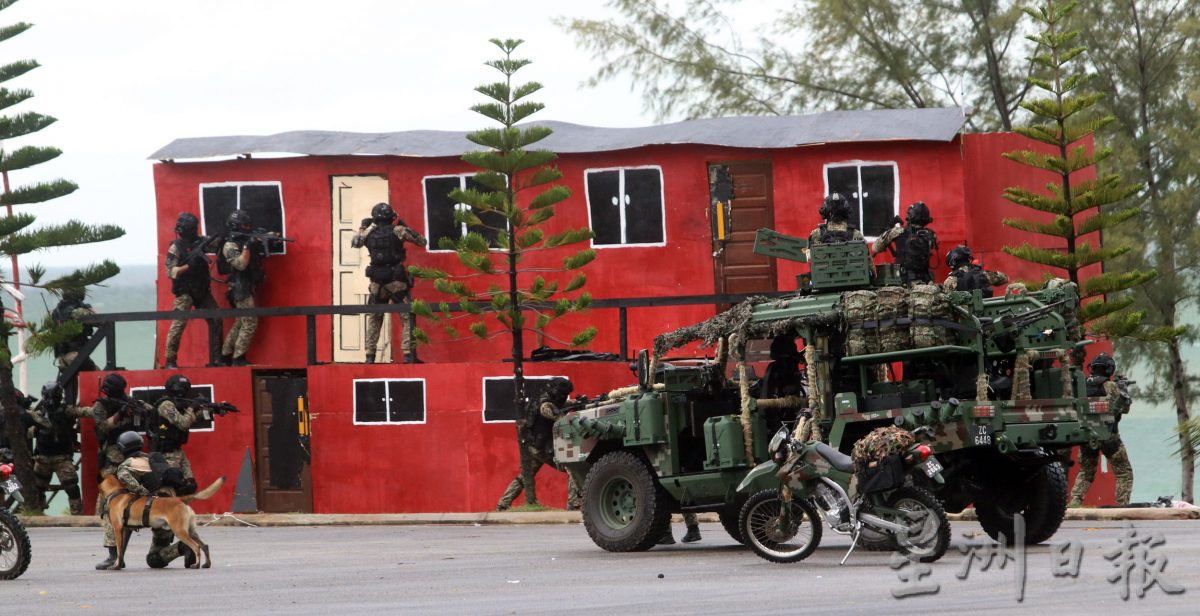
{"x":217,"y":518}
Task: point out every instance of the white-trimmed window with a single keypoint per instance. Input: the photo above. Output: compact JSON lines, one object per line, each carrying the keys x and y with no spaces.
{"x":440,"y":208}
{"x":152,"y":395}
{"x":626,"y":206}
{"x":263,"y":201}
{"x":389,"y":401}
{"x":498,"y":396}
{"x":873,"y":189}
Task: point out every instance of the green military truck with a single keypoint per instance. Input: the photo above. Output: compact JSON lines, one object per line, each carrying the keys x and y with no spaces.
{"x":989,"y":376}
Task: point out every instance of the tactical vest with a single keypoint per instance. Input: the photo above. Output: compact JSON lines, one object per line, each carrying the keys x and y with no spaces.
{"x":387,"y":254}
{"x":541,"y":430}
{"x":164,"y":435}
{"x":62,"y":314}
{"x":194,"y":281}
{"x":971,"y":278}
{"x":111,"y":408}
{"x":59,"y":438}
{"x":1095,"y":387}
{"x":242,"y":283}
{"x":911,"y":250}
{"x":825,"y":235}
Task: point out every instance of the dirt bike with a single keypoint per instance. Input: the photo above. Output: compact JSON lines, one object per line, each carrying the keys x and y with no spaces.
{"x":887,"y":508}
{"x":14,"y":540}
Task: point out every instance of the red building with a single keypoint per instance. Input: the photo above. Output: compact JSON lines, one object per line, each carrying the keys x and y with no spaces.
{"x":438,"y":436}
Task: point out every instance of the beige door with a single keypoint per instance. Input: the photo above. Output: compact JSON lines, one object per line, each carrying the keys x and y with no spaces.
{"x":353,"y":197}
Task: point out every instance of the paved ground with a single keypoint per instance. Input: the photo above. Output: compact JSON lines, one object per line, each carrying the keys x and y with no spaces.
{"x":552,"y":569}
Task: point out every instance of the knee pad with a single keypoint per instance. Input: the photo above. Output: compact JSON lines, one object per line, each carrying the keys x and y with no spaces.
{"x":71,"y":489}
{"x":155,"y":560}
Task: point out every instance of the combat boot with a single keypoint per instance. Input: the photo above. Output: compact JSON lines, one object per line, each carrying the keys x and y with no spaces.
{"x":240,"y":360}
{"x":171,"y":365}
{"x":370,"y":358}
{"x":502,"y":507}
{"x":75,"y":505}
{"x":411,"y":358}
{"x":667,"y":538}
{"x":692,"y":535}
{"x":224,"y":360}
{"x":108,"y":562}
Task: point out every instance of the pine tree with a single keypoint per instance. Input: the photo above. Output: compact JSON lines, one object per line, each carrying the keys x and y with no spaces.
{"x":509,"y":170}
{"x":19,"y":237}
{"x":1065,"y":118}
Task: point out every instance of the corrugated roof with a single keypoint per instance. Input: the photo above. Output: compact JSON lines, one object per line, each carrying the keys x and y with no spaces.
{"x":741,"y":132}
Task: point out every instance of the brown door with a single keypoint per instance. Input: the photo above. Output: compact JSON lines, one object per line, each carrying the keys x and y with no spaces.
{"x":738,"y":269}
{"x":284,"y":476}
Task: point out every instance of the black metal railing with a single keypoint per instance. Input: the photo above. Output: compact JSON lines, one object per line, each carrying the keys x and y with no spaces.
{"x":105,"y":323}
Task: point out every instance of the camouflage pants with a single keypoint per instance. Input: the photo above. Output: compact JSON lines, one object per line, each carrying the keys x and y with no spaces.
{"x":237,"y":341}
{"x":535,"y":463}
{"x":690,"y":520}
{"x":71,"y":387}
{"x":390,"y":293}
{"x":44,"y":469}
{"x":175,"y":333}
{"x":110,"y":540}
{"x":1089,"y":459}
{"x":179,"y":460}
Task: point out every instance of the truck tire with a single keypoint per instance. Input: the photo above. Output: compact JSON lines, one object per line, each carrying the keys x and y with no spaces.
{"x":14,"y":546}
{"x":624,"y":509}
{"x":1043,"y":513}
{"x":729,"y":519}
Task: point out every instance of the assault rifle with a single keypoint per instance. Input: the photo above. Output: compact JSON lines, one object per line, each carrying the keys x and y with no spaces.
{"x":1003,"y":331}
{"x":260,"y":236}
{"x":208,"y":407}
{"x":204,"y":245}
{"x":137,"y":410}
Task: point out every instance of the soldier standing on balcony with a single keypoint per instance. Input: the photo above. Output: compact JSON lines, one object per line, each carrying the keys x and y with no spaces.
{"x":384,"y":237}
{"x":187,"y":267}
{"x":241,"y":258}
{"x":72,"y":308}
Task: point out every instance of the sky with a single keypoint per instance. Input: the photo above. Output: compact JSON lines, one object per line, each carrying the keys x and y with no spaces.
{"x":125,"y":78}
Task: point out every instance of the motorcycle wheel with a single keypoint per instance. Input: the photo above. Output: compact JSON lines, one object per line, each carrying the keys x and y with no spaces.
{"x":14,"y":546}
{"x":929,"y":534}
{"x":875,"y":541}
{"x":762,"y":529}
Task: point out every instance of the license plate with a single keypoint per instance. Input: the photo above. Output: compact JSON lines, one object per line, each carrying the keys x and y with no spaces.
{"x":984,"y":435}
{"x":932,"y":466}
{"x":12,"y":485}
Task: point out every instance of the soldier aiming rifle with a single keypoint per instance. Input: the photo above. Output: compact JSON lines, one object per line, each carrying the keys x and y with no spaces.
{"x":241,"y":260}
{"x":187,"y":267}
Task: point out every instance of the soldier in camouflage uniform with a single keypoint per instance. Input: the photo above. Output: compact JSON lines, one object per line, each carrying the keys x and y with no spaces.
{"x":187,"y":268}
{"x":966,"y":275}
{"x":115,"y":414}
{"x":911,"y":245}
{"x":242,"y":258}
{"x":536,"y":437}
{"x":1101,"y":383}
{"x":57,"y":430}
{"x":72,"y":308}
{"x":836,"y":229}
{"x":384,"y":237}
{"x":168,"y":432}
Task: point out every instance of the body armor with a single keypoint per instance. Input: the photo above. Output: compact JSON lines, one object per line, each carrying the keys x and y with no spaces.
{"x":111,"y":408}
{"x":834,"y":236}
{"x":193,"y":282}
{"x":911,"y":250}
{"x":59,"y":439}
{"x":164,"y":435}
{"x":242,"y":283}
{"x":971,"y":278}
{"x":387,"y":254}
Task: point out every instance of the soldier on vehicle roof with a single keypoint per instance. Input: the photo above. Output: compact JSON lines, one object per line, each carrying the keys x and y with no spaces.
{"x":966,"y":275}
{"x":911,"y":245}
{"x":836,"y":229}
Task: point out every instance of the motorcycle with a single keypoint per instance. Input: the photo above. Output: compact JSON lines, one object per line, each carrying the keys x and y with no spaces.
{"x":14,"y":539}
{"x":890,"y":509}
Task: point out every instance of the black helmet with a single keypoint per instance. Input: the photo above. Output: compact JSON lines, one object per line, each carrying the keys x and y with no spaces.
{"x":177,"y":385}
{"x":113,"y":385}
{"x":130,"y":442}
{"x":918,"y":214}
{"x":835,"y":207}
{"x":559,"y":387}
{"x":383,"y":214}
{"x":238,"y":221}
{"x":1103,"y":365}
{"x":187,"y":225}
{"x":959,"y":256}
{"x":52,"y":391}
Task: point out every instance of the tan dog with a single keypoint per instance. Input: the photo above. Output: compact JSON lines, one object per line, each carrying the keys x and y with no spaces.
{"x":165,"y":512}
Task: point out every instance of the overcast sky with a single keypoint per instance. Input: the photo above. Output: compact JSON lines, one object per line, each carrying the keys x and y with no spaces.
{"x":126,"y":77}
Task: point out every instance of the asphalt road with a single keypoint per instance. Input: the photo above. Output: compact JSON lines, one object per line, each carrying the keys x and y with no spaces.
{"x":555,"y":569}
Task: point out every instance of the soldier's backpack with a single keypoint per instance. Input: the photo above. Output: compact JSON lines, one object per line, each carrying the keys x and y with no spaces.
{"x":834,"y":236}
{"x":971,"y":278}
{"x":927,"y":305}
{"x":859,"y":310}
{"x":914,"y":253}
{"x":891,"y":310}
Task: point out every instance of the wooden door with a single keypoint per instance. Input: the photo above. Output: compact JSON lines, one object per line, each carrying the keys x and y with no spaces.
{"x":283,"y":472}
{"x":353,"y":198}
{"x":737,"y":268}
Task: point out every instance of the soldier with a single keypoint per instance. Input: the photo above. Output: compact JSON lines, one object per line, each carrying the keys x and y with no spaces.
{"x":384,"y":236}
{"x":72,"y":308}
{"x":56,"y":430}
{"x":115,"y":414}
{"x":538,"y":441}
{"x":692,"y":523}
{"x":170,"y":425}
{"x":187,"y":267}
{"x":1101,"y":383}
{"x":836,"y":229}
{"x":241,"y":258}
{"x":911,"y":245}
{"x":143,"y":475}
{"x":966,"y":275}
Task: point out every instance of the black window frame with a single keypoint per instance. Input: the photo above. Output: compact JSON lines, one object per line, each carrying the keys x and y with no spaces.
{"x":273,"y":248}
{"x":624,"y":230}
{"x":483,"y":413}
{"x":388,"y":411}
{"x":463,"y":179}
{"x":857,"y":197}
{"x":156,"y":393}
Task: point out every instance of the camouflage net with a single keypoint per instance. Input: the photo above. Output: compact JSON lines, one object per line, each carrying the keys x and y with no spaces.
{"x":1064,"y":366}
{"x":981,"y":388}
{"x":620,"y":393}
{"x":879,"y":444}
{"x":737,"y":320}
{"x":737,"y":351}
{"x":1021,"y":380}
